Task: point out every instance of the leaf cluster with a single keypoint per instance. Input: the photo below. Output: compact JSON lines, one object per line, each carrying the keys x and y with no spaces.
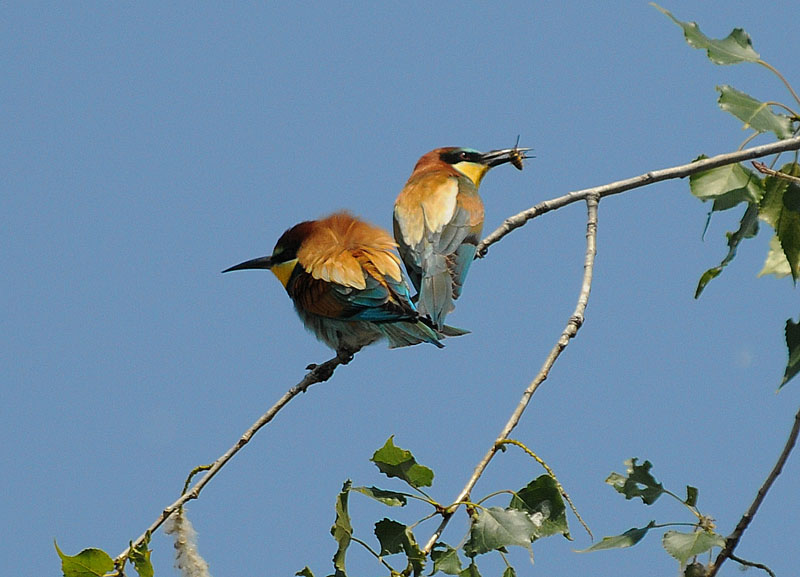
{"x":534,"y":512}
{"x":638,"y":482}
{"x":773,"y":199}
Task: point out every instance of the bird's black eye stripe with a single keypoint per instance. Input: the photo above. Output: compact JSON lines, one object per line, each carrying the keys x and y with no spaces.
{"x":456,"y":156}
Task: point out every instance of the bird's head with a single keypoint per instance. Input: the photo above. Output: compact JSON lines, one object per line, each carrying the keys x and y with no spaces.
{"x":473,"y":164}
{"x":284,"y":256}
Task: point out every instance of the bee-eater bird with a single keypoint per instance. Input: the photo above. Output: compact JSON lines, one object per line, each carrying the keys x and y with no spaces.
{"x":438,"y":219}
{"x":347,"y":285}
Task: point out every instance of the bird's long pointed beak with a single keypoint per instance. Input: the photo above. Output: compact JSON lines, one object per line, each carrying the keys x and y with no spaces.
{"x":264,"y":262}
{"x":497,"y":157}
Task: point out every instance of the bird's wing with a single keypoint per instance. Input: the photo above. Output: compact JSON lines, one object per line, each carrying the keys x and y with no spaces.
{"x":363,"y":283}
{"x":431,"y":216}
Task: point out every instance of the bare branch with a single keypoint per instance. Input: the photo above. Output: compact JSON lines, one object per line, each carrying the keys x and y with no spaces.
{"x":316,"y":374}
{"x":575,"y":322}
{"x":681,"y":171}
{"x":733,"y":539}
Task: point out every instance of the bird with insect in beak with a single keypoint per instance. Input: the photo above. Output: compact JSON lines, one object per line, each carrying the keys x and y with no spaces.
{"x":438,"y":219}
{"x":347,"y":285}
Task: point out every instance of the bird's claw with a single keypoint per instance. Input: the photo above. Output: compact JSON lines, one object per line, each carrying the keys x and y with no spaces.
{"x":345,"y":355}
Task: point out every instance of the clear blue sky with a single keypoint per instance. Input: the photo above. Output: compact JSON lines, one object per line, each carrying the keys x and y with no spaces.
{"x":147,"y":146}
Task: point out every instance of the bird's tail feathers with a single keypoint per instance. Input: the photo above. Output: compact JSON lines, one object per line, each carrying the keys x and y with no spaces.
{"x":407,"y":333}
{"x":449,"y":331}
{"x":436,"y":292}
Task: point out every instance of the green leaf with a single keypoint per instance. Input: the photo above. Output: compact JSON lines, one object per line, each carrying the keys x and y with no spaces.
{"x":780,"y":208}
{"x":470,"y":571}
{"x":754,"y":113}
{"x":87,"y":563}
{"x":396,"y":462}
{"x":509,"y":572}
{"x":445,"y":560}
{"x":691,"y":495}
{"x":628,"y":539}
{"x":391,"y":535}
{"x":776,"y":262}
{"x":542,"y":500}
{"x":734,"y":48}
{"x":683,"y":546}
{"x":727,"y":186}
{"x":748,"y":227}
{"x":140,"y":557}
{"x":305,"y":572}
{"x":638,"y":483}
{"x":341,"y":530}
{"x":793,"y":344}
{"x":495,"y":528}
{"x":390,"y":498}
{"x":395,"y":538}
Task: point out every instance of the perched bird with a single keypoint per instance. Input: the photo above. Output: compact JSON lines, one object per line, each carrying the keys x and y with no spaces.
{"x":347,"y":285}
{"x":438,"y":219}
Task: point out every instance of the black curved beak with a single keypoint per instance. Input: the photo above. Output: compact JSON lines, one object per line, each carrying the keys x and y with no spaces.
{"x":497,"y":157}
{"x":264,"y":262}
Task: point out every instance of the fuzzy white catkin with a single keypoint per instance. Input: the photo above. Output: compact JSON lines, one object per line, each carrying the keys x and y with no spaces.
{"x":187,"y":559}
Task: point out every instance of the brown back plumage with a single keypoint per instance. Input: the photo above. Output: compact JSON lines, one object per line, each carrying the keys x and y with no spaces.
{"x":342,"y":249}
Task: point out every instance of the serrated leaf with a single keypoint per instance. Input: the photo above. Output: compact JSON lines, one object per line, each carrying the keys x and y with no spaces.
{"x":140,"y":557}
{"x":542,"y":500}
{"x":495,"y":528}
{"x":638,"y":483}
{"x":470,"y":571}
{"x":509,"y":572}
{"x":396,"y":538}
{"x":748,"y":227}
{"x":734,"y":48}
{"x":342,"y":530}
{"x":628,"y":539}
{"x":776,"y":262}
{"x":691,"y":495}
{"x":793,"y":344}
{"x":390,"y":498}
{"x":780,"y":207}
{"x":88,"y":563}
{"x":391,"y":535}
{"x":393,"y":461}
{"x":683,"y":546}
{"x":727,"y":186}
{"x":754,"y":113}
{"x":445,"y":559}
{"x":305,"y":572}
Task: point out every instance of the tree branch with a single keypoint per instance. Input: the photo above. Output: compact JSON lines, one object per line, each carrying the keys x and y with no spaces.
{"x":654,"y":176}
{"x":733,"y":539}
{"x":316,"y":374}
{"x":575,"y":322}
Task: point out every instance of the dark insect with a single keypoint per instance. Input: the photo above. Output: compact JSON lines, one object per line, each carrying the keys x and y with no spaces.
{"x":517,"y":155}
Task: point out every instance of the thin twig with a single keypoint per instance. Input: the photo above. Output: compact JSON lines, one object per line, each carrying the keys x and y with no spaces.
{"x":681,"y":171}
{"x":747,"y":563}
{"x":552,"y":474}
{"x":764,"y":169}
{"x":575,"y":322}
{"x":733,"y":539}
{"x":316,"y":374}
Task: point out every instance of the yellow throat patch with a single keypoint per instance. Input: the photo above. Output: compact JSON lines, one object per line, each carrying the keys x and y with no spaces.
{"x":284,"y":270}
{"x":472,"y":170}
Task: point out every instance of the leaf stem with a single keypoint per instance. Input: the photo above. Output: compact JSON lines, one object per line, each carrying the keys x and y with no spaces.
{"x":775,"y":71}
